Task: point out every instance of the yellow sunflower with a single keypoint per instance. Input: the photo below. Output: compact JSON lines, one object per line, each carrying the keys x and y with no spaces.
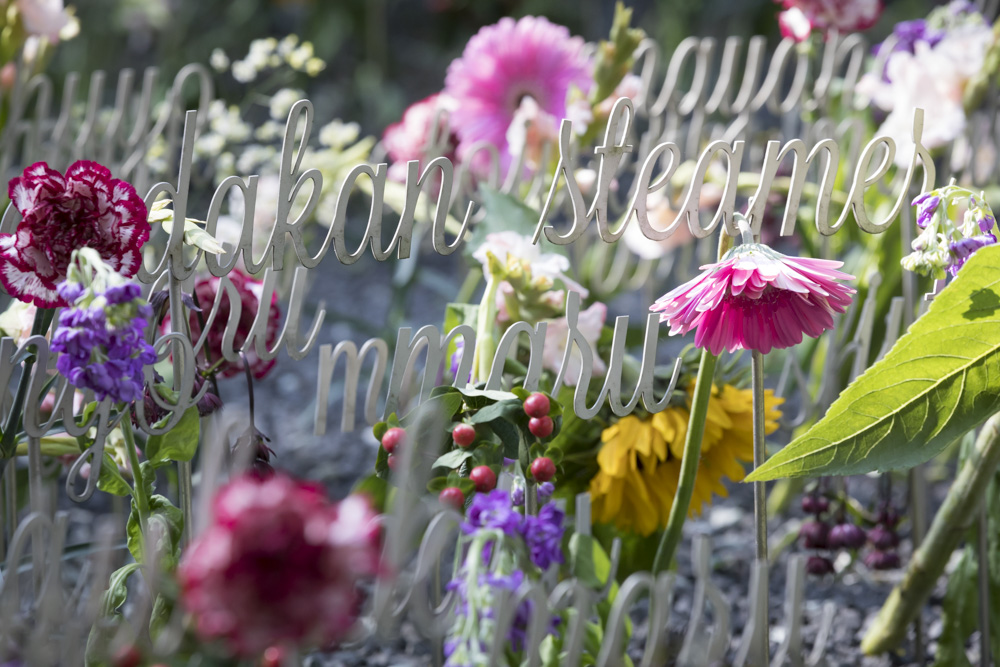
{"x":640,"y":460}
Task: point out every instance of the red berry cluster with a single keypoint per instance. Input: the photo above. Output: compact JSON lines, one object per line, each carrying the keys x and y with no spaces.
{"x":884,"y":539}
{"x":391,"y":442}
{"x":537,"y":406}
{"x":818,"y":534}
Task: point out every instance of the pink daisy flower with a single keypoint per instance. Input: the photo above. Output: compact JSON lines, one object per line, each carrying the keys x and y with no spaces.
{"x":501,"y":65}
{"x":756,"y":299}
{"x":86,"y":208}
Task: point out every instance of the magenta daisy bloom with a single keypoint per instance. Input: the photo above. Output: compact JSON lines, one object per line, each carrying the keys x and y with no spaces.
{"x":757,"y":299}
{"x":86,"y":208}
{"x":501,"y":65}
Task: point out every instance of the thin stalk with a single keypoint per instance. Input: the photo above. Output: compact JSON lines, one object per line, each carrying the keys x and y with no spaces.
{"x":760,"y":497}
{"x":982,"y":555}
{"x":139,"y":487}
{"x":950,"y":525}
{"x":689,"y":464}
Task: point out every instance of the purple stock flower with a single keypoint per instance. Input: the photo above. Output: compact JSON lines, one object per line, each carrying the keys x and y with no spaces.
{"x":926,"y":205}
{"x":963,"y":249}
{"x":543,"y":535}
{"x":102,"y":344}
{"x":492,"y":510}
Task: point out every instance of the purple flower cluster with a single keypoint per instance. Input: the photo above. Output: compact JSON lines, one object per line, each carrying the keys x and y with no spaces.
{"x":542,"y":534}
{"x":101,"y":340}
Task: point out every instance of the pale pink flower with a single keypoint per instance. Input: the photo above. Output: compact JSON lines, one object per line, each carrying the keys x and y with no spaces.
{"x":756,"y":299}
{"x":590,"y":322}
{"x":529,"y":131}
{"x":801,"y":17}
{"x":501,"y":65}
{"x":278,"y":564}
{"x":408,"y":139}
{"x":43,"y":17}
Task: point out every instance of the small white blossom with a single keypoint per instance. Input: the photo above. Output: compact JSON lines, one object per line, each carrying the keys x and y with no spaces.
{"x":337,"y":134}
{"x":282,"y":101}
{"x":219,"y":60}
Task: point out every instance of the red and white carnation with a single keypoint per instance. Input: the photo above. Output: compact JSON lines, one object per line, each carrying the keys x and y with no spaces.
{"x":86,"y":208}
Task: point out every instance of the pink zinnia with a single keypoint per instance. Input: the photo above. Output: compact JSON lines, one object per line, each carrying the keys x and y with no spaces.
{"x":86,"y":208}
{"x":407,"y":140}
{"x":501,"y":65}
{"x":757,"y":299}
{"x":802,"y":16}
{"x":279,"y":564}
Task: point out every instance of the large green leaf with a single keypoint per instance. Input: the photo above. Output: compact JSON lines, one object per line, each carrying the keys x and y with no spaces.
{"x":179,"y":443}
{"x":940,"y":380}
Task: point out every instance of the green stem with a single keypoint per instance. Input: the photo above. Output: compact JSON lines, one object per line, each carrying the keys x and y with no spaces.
{"x":485,"y":343}
{"x":139,"y":488}
{"x":951,"y":524}
{"x":54,"y":445}
{"x":689,"y":464}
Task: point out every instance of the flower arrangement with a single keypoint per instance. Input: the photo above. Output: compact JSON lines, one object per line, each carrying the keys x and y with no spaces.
{"x":522,"y":439}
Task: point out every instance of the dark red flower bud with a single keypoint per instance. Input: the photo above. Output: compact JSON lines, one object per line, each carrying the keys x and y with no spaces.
{"x":883,"y":538}
{"x":819,"y":565}
{"x":847,"y":536}
{"x":882,"y":560}
{"x":815,"y":534}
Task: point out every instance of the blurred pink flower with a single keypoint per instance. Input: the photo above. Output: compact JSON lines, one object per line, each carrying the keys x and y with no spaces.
{"x":801,"y":17}
{"x":43,"y":17}
{"x":86,"y":208}
{"x":589,"y":323}
{"x":501,"y":65}
{"x":278,"y":565}
{"x":407,"y":140}
{"x":251,"y":291}
{"x":756,"y":299}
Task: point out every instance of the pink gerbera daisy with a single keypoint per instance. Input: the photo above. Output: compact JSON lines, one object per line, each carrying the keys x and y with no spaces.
{"x":757,"y":299}
{"x":501,"y":65}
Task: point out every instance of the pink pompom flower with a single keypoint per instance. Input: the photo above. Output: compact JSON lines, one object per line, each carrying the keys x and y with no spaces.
{"x":756,"y":299}
{"x":86,"y":208}
{"x":278,"y":565}
{"x":251,"y":292}
{"x":801,"y":17}
{"x":501,"y":65}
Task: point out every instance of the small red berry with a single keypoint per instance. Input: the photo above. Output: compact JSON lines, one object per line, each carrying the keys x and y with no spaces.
{"x":484,"y":478}
{"x":274,"y":656}
{"x":537,"y":405}
{"x":391,"y":461}
{"x":127,"y":656}
{"x":453,"y":497}
{"x":543,"y":469}
{"x":541,"y":427}
{"x":818,"y":565}
{"x":463,"y":435}
{"x":392,"y":439}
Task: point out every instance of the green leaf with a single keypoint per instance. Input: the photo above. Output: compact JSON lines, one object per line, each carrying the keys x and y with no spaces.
{"x":509,"y":410}
{"x":581,"y":558}
{"x":437,"y":484}
{"x":452,"y":459}
{"x":160,"y":510}
{"x":938,"y":382}
{"x":110,"y":479}
{"x":505,"y":213}
{"x":375,"y":488}
{"x":104,"y":630}
{"x":179,"y":443}
{"x":117,"y":592}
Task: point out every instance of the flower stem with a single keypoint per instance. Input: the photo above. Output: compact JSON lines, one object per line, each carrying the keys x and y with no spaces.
{"x":689,"y":463}
{"x":138,"y":484}
{"x":760,"y":498}
{"x":950,"y":525}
